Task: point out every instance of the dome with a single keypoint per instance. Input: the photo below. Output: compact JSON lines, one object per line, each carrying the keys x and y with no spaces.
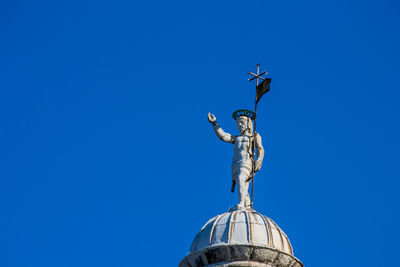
{"x":241,"y":237}
{"x":242,"y":227}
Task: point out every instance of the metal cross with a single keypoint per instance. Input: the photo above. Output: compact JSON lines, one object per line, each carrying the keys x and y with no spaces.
{"x":258,"y":75}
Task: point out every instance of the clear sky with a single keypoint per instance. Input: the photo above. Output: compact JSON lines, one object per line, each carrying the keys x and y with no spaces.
{"x":107,"y":158}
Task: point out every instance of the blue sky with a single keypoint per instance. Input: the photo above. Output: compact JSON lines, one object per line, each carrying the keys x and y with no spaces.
{"x":107,"y":158}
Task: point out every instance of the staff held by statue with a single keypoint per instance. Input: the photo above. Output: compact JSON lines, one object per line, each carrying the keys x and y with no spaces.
{"x":261,"y":89}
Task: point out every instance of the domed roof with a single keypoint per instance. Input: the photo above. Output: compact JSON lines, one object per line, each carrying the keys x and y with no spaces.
{"x":242,"y":227}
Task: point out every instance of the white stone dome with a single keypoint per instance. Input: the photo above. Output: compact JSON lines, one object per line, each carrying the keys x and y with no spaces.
{"x":242,"y":227}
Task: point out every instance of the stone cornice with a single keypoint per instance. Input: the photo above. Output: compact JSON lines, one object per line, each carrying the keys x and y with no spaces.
{"x":229,"y":254}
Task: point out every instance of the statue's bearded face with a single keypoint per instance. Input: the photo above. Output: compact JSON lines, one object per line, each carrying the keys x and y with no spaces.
{"x":244,"y":124}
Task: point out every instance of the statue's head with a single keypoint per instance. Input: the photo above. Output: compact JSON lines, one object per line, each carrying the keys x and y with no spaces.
{"x":244,"y":119}
{"x":244,"y":125}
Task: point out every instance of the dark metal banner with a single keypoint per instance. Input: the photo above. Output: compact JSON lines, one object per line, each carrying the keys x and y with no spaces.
{"x":262,"y":88}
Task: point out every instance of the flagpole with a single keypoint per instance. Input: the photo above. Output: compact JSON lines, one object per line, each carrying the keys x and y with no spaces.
{"x":254,"y":140}
{"x":263,"y":90}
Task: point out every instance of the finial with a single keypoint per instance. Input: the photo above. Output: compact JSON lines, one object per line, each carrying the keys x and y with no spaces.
{"x":258,"y":75}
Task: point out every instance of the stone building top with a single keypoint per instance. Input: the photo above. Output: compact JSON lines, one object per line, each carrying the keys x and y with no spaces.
{"x":241,"y":236}
{"x":242,"y":227}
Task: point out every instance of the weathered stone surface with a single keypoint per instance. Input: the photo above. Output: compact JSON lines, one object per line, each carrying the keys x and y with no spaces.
{"x":196,"y":259}
{"x":283,"y":260}
{"x":263,"y":255}
{"x":240,"y":252}
{"x":217,"y":254}
{"x":297,"y":264}
{"x":229,"y":255}
{"x":243,"y":264}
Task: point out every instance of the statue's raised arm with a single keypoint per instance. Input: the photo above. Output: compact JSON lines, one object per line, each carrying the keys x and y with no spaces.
{"x":226,"y":137}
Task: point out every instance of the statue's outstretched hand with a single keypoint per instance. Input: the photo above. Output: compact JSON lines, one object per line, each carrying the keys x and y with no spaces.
{"x":211,"y":118}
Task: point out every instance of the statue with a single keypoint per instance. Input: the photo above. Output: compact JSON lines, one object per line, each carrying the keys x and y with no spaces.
{"x":243,"y":152}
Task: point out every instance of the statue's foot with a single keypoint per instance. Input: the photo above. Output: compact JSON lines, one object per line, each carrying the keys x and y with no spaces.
{"x":239,"y":207}
{"x":248,"y":206}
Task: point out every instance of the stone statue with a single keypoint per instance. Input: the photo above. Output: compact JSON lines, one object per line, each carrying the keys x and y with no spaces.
{"x":242,"y":163}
